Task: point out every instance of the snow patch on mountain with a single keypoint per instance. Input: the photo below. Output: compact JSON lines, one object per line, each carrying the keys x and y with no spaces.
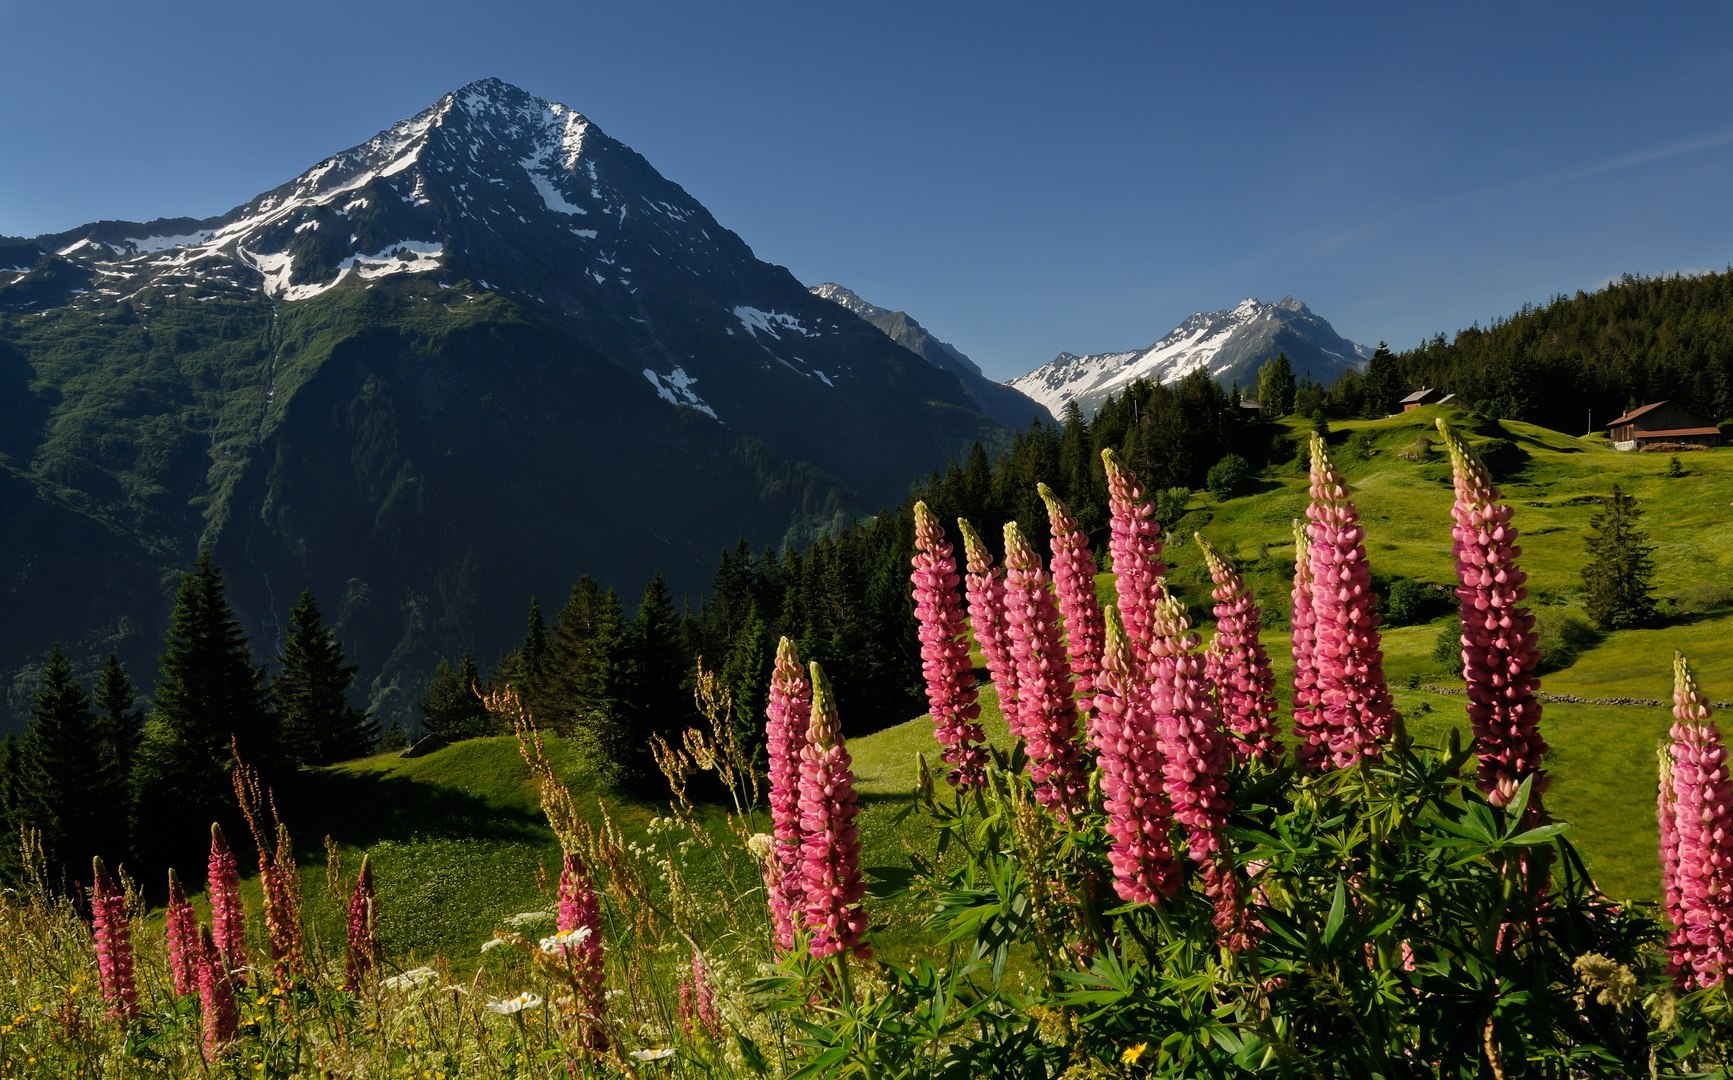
{"x":755,"y":320}
{"x":676,"y":389}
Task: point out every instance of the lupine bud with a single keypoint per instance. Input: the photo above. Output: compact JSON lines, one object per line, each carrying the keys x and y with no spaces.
{"x":1703,"y":805}
{"x":985,"y":586}
{"x":830,"y":846}
{"x":788,"y":716}
{"x":181,"y":926}
{"x":1134,"y":542}
{"x":363,"y":925}
{"x":113,"y":946}
{"x":1349,"y":662}
{"x":1499,"y":645}
{"x":216,"y":998}
{"x":1139,"y":817}
{"x":1237,"y":665}
{"x":945,"y":653}
{"x":1311,"y":736}
{"x":1046,"y":711}
{"x":1074,"y":582}
{"x":580,"y":911}
{"x":1672,"y":901}
{"x":228,"y":925}
{"x":1196,"y":760}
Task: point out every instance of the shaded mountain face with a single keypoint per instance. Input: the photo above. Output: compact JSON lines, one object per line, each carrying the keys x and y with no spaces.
{"x":1231,"y":345}
{"x":997,"y":400}
{"x":484,"y":352}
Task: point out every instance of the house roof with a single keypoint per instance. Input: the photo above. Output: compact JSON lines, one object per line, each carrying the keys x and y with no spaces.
{"x":1675,"y":432}
{"x":1634,"y":413}
{"x":1419,"y":397}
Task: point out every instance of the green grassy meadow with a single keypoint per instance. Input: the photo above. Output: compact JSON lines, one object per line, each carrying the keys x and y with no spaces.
{"x":458,"y":841}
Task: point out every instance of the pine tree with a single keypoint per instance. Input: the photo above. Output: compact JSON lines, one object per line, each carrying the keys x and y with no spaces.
{"x":532,"y":659}
{"x":450,"y":707}
{"x":70,"y":783}
{"x":1621,"y":564}
{"x":646,"y":689}
{"x":1382,"y":383}
{"x":394,"y":739}
{"x":208,"y":693}
{"x":312,"y":691}
{"x":1276,"y":386}
{"x":117,"y":707}
{"x":12,"y":790}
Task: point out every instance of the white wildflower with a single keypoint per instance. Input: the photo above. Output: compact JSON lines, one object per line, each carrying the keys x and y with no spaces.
{"x":652,"y":1055}
{"x":761,"y":845}
{"x":529,"y":918}
{"x":525,"y":1000}
{"x":564,"y":940}
{"x":493,"y":944}
{"x":410,"y":979}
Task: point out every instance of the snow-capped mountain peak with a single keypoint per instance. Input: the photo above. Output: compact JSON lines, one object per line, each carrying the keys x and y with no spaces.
{"x":1230,"y":345}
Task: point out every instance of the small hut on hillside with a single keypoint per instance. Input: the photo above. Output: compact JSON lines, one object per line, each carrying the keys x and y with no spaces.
{"x":1663,"y":422}
{"x":1427,"y":396}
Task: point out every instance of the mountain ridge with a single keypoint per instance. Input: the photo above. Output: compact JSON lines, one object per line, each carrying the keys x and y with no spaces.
{"x":463,"y":362}
{"x":1230,"y":344}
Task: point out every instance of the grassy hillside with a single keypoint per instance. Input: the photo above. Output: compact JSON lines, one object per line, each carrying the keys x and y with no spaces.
{"x":457,"y":838}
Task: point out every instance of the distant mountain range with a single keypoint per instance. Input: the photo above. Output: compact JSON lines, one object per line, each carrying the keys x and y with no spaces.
{"x":996,"y":399}
{"x":1230,"y":345}
{"x":484,"y":352}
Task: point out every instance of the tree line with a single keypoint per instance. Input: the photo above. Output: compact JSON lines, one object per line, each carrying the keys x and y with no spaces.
{"x":1571,"y":364}
{"x":97,"y":773}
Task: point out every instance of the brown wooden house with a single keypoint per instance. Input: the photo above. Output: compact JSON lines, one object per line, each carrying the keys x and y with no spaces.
{"x":1663,"y":422}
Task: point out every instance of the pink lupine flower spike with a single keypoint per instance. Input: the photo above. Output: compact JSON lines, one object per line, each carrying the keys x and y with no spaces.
{"x":950,"y":674}
{"x":1499,"y":645}
{"x":1349,"y":660}
{"x":113,"y":946}
{"x":181,"y":927}
{"x":830,"y":845}
{"x":787,"y":717}
{"x":1703,"y":820}
{"x":1139,"y":817}
{"x":985,"y":584}
{"x":1046,"y":710}
{"x":1238,"y":666}
{"x":1134,"y":544}
{"x":1074,"y":583}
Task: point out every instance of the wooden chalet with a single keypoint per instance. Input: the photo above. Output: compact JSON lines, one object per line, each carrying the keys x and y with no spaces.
{"x":1663,"y":422}
{"x":1427,"y":396}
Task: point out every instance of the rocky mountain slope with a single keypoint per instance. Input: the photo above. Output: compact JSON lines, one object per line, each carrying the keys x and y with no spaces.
{"x":997,"y":400}
{"x":1231,"y":345}
{"x":484,"y":352}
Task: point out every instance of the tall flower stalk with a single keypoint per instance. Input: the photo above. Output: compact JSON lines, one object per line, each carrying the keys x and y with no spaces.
{"x":228,"y":923}
{"x":1139,"y":816}
{"x":787,"y":717}
{"x":363,"y":924}
{"x":281,"y":885}
{"x":1311,"y":736}
{"x":1703,"y":816}
{"x":1499,"y":645}
{"x":830,"y":846}
{"x":985,"y":587}
{"x":1073,"y":567}
{"x":113,"y":934}
{"x":1196,"y":761}
{"x":698,"y":1009}
{"x":181,"y":927}
{"x":1348,"y":658}
{"x":1046,"y":710}
{"x":951,"y":694}
{"x":580,"y":916}
{"x":1237,"y":665}
{"x":216,"y":997}
{"x":1672,"y":900}
{"x":1134,"y":544}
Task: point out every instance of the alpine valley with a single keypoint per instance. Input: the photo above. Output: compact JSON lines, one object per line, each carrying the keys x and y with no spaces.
{"x":482,"y":353}
{"x":1229,"y":345}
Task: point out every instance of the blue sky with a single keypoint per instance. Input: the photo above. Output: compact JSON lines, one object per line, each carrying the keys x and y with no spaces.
{"x":1023,"y":179}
